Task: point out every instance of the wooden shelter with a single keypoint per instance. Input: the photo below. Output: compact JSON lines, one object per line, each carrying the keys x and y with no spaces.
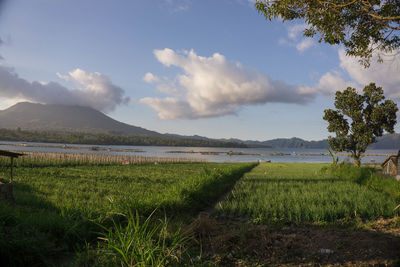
{"x":391,"y":166}
{"x":6,"y":189}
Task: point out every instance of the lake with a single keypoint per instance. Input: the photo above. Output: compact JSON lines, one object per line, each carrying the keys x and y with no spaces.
{"x":211,"y":154}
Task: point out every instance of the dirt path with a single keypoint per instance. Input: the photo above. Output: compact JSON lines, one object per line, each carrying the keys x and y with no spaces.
{"x":230,"y":243}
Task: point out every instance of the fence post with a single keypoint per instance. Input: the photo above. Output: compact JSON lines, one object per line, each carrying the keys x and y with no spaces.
{"x":12,"y":166}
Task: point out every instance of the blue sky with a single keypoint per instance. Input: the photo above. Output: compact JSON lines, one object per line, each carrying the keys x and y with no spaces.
{"x":214,"y":68}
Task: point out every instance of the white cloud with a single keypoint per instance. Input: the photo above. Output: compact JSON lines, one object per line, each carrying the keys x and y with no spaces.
{"x":384,"y":74}
{"x":94,"y":90}
{"x":1,"y":42}
{"x":213,"y":86}
{"x":295,"y":30}
{"x":296,"y":39}
{"x":329,"y":83}
{"x":176,"y":5}
{"x":150,"y":78}
{"x":304,"y":45}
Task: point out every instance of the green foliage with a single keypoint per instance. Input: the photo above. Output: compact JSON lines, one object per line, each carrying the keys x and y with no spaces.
{"x":361,"y":26}
{"x":278,"y":193}
{"x":359,"y":119}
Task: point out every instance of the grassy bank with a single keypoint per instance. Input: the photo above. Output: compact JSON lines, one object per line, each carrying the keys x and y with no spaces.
{"x":59,"y":209}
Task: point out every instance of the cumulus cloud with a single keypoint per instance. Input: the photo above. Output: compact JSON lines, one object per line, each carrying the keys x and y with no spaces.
{"x":329,"y":83}
{"x":213,"y":86}
{"x":94,"y":90}
{"x":384,"y":74}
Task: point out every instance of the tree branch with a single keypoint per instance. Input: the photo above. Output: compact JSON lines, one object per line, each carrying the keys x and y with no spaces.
{"x":373,"y":14}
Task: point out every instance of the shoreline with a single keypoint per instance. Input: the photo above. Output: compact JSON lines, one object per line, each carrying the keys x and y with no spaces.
{"x":238,"y":155}
{"x":91,"y":148}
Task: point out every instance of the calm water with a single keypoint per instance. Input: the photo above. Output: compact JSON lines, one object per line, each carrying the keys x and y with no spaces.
{"x":162,"y":151}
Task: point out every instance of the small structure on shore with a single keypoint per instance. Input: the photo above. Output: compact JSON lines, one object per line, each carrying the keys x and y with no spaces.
{"x":391,"y":166}
{"x":6,"y":189}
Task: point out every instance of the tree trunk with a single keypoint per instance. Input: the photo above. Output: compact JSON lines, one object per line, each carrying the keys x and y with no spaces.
{"x":357,"y":161}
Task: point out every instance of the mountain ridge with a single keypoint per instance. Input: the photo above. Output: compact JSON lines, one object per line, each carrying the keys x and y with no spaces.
{"x":31,"y":116}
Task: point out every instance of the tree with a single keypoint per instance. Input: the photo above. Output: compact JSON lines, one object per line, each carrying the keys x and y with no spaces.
{"x":362,"y":26}
{"x":359,"y":120}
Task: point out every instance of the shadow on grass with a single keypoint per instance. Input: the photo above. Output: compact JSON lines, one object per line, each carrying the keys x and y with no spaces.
{"x":192,"y":202}
{"x":33,"y":232}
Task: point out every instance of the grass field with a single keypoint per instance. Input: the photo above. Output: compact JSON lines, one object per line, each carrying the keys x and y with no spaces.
{"x":59,"y":208}
{"x":97,"y":212}
{"x":301,"y":193}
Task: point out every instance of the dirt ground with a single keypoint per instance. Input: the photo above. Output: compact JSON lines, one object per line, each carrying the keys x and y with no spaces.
{"x":237,"y":243}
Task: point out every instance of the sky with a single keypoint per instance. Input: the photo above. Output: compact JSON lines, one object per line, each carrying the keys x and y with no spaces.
{"x":213,"y":68}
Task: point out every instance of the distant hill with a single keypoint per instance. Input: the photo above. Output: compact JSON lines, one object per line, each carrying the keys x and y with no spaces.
{"x":388,"y":141}
{"x":291,"y":143}
{"x":30,"y":116}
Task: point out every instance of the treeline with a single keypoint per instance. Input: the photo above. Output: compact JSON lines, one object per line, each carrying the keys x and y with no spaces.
{"x":107,"y":139}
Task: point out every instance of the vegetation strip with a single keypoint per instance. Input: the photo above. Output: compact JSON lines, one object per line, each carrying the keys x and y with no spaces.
{"x":36,"y":159}
{"x":300,"y":193}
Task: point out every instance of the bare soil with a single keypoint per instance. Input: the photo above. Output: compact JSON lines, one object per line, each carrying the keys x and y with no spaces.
{"x":237,"y":243}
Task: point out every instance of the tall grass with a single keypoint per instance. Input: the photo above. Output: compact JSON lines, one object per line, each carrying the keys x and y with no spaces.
{"x":301,"y":193}
{"x":368,"y":176}
{"x":140,"y":243}
{"x":43,"y":159}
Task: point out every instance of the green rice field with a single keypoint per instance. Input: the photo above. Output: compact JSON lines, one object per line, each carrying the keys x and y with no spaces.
{"x":302,"y":193}
{"x":94,"y":211}
{"x":59,"y":209}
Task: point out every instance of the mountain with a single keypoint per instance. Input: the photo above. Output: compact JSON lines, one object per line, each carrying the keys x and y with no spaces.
{"x":388,"y":141}
{"x":30,"y":116}
{"x":290,"y":143}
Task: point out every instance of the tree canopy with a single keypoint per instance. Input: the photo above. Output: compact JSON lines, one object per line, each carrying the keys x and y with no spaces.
{"x":359,"y":119}
{"x":362,"y":26}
